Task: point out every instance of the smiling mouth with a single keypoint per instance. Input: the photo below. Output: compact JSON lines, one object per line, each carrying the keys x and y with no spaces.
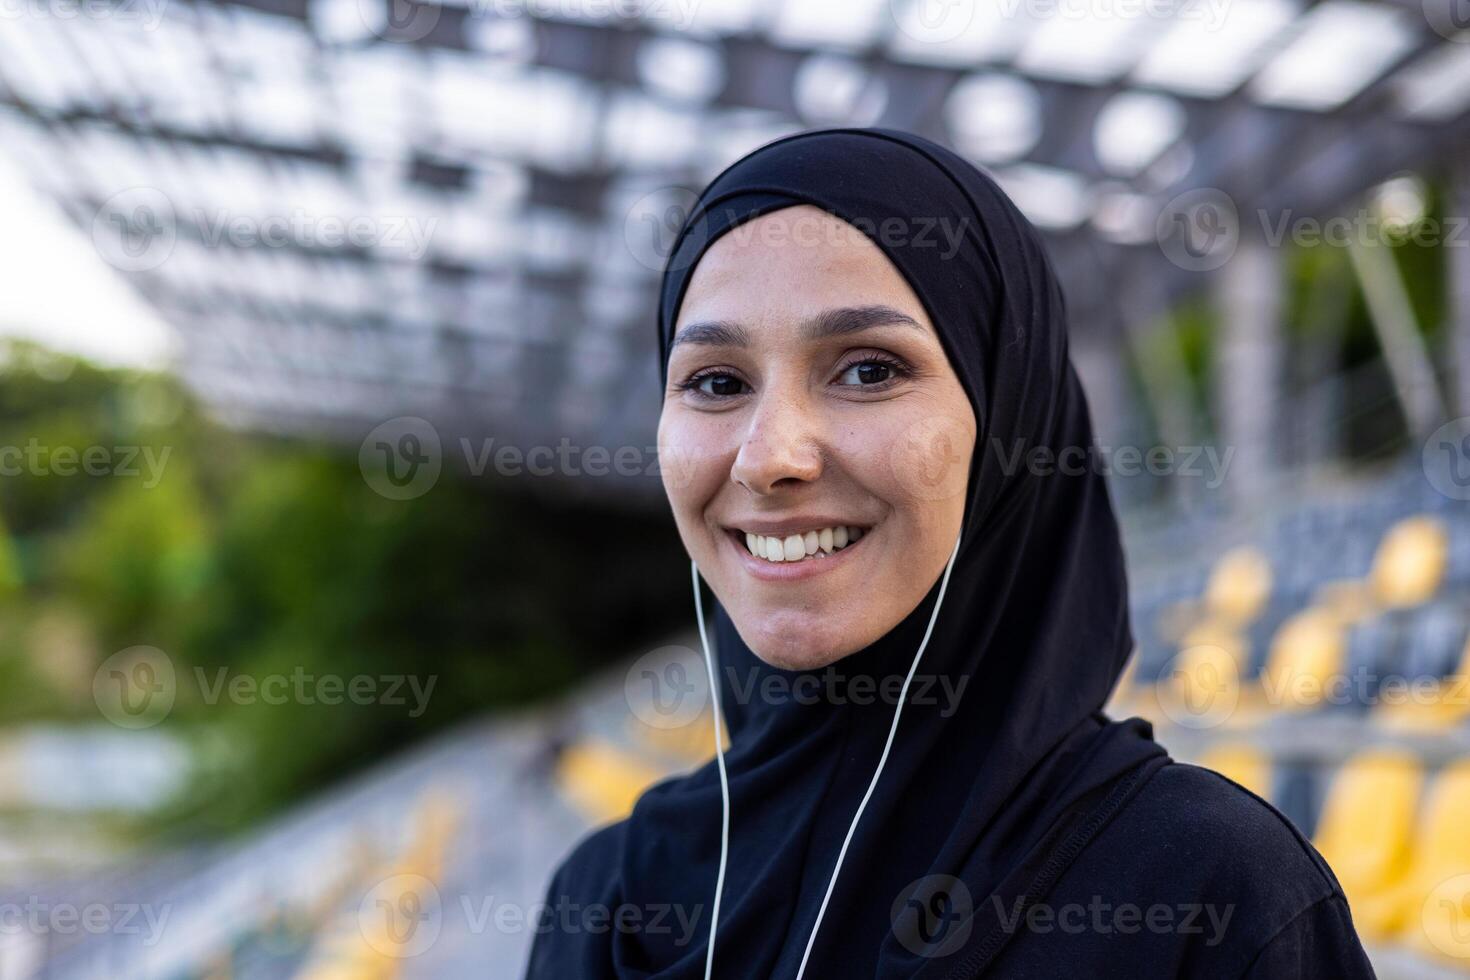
{"x":811,"y":545}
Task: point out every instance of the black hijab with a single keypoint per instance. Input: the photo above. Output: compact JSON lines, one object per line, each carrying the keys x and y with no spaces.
{"x":993,"y":799}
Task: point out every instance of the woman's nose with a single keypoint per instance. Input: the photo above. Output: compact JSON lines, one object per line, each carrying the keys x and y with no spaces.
{"x":780,"y":449}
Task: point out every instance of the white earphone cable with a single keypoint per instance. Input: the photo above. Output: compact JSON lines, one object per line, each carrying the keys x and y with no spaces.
{"x":725,"y":782}
{"x":714,"y":695}
{"x":882,"y":760}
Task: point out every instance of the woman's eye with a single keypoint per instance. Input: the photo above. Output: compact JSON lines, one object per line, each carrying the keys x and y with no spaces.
{"x":867,"y":373}
{"x":718,"y":385}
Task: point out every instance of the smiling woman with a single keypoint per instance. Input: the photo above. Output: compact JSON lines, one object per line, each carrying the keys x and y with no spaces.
{"x":828,"y":378}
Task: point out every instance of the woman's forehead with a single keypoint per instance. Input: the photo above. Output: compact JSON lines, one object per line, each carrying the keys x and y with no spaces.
{"x":791,"y":263}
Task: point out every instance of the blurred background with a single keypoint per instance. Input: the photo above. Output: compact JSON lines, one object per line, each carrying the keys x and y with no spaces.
{"x":336,"y":582}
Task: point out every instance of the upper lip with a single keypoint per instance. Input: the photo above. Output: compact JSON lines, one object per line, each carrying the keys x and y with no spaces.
{"x":792,"y":525}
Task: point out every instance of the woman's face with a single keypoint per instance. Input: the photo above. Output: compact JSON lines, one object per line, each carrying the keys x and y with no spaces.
{"x":819,"y":441}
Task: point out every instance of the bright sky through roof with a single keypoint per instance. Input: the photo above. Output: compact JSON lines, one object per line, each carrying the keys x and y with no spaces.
{"x":59,"y":290}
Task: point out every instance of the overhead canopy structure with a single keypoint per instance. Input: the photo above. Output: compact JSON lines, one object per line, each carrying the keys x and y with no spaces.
{"x":357,"y":209}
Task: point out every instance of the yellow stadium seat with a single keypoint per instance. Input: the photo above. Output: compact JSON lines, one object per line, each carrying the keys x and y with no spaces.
{"x":1366,"y":832}
{"x":1306,"y":656}
{"x":1242,"y":763}
{"x":1239,"y":586}
{"x":1438,"y":909}
{"x":1429,"y":908}
{"x":1410,"y":563}
{"x":602,"y":780}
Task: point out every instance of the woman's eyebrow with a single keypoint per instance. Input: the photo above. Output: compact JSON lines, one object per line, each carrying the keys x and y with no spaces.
{"x":836,"y":322}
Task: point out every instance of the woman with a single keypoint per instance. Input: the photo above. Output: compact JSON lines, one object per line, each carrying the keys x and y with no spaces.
{"x":869,"y":397}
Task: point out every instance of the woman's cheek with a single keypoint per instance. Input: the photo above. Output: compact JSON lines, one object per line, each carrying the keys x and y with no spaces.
{"x":917,"y":459}
{"x":693,"y":461}
{"x":929,"y":457}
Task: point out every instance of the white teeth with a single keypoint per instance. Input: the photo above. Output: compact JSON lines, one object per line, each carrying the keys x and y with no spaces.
{"x":795,"y":547}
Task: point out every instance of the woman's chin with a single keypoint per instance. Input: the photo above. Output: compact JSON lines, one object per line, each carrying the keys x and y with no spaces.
{"x":798,"y":649}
